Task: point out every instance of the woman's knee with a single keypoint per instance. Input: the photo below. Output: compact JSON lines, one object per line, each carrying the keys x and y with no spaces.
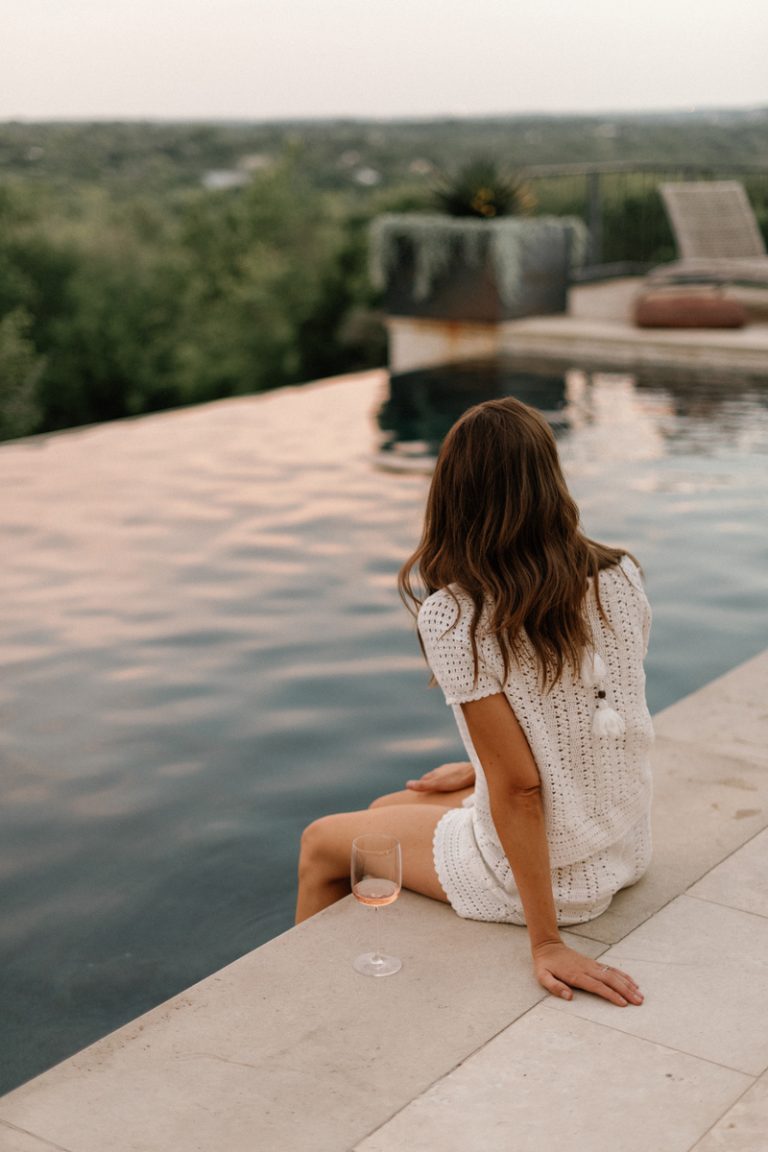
{"x":315,"y":841}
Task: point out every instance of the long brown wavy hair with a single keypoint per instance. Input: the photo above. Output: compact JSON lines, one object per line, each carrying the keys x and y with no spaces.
{"x":501,"y":525}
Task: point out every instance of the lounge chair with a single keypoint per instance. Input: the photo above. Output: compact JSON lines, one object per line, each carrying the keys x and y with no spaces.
{"x":717,"y":236}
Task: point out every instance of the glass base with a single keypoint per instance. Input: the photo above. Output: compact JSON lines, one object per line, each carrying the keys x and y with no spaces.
{"x":374,"y":964}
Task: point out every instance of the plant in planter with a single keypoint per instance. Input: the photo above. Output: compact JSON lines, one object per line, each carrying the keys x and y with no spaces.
{"x":482,"y":189}
{"x":479,"y":259}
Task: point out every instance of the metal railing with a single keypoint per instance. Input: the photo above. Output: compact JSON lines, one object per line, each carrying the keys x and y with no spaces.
{"x":629,"y":232}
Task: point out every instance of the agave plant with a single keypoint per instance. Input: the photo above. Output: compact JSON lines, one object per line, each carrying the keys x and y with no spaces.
{"x":482,"y":188}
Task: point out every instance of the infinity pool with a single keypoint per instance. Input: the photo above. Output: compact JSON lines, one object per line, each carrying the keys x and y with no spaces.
{"x":203,"y":649}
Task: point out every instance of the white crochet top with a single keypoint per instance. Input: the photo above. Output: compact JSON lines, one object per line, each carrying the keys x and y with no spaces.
{"x":596,"y":790}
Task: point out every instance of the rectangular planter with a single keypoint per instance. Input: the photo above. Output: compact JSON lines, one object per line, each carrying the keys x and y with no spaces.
{"x":441,"y":268}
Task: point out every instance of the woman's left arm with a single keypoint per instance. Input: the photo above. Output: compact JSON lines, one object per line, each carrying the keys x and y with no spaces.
{"x":514,"y":790}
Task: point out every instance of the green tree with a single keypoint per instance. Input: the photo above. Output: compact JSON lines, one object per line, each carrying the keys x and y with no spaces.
{"x":20,"y":370}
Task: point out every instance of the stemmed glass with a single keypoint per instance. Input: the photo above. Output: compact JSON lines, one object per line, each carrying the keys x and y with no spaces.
{"x":377,"y":876}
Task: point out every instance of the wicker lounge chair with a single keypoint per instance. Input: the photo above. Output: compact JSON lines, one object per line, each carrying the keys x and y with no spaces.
{"x":717,"y":236}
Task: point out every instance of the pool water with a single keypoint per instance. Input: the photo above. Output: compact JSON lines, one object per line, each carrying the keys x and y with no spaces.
{"x":203,"y":649}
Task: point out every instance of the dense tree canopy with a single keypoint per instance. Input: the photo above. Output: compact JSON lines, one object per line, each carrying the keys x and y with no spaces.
{"x":112,"y":306}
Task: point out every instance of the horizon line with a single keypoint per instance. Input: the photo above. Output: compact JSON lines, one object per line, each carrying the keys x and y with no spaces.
{"x":416,"y":118}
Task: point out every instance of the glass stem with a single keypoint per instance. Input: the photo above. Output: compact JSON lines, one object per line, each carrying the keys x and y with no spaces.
{"x":377,"y":919}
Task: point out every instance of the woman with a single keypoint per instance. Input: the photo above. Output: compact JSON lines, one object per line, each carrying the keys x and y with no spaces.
{"x":536,"y":636}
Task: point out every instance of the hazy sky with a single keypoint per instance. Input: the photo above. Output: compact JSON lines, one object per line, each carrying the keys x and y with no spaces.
{"x":267,"y":59}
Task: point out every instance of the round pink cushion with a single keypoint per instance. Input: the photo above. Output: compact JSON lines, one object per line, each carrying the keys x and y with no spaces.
{"x":667,"y":310}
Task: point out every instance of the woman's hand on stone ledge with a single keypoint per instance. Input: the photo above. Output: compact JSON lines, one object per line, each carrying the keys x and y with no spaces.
{"x":447,"y":778}
{"x":560,"y":969}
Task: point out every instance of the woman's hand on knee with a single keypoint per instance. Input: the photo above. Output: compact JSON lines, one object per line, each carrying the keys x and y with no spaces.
{"x":447,"y":778}
{"x":559,"y":969}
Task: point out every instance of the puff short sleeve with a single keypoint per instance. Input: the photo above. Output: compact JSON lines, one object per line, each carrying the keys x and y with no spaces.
{"x":444,"y":626}
{"x":635,"y":577}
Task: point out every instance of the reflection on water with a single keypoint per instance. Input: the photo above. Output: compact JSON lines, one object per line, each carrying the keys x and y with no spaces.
{"x":698,"y":414}
{"x":203,"y":649}
{"x":422,"y":405}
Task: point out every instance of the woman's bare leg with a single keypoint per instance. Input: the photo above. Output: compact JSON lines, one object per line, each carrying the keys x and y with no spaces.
{"x":326,"y":846}
{"x":409,"y":796}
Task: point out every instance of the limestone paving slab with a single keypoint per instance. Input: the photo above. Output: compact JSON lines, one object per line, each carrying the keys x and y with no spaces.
{"x":744,"y":1127}
{"x":741,"y":881}
{"x":605,"y":300}
{"x":705,"y":806}
{"x":729,"y":715}
{"x":15,"y":1140}
{"x":289,"y":1048}
{"x":556,"y":1082}
{"x":703,"y":970}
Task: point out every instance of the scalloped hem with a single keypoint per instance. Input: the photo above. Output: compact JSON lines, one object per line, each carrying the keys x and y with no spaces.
{"x":463,"y":875}
{"x":470,"y":697}
{"x":438,"y":837}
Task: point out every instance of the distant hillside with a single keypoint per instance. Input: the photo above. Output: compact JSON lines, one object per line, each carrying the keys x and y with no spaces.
{"x":360,"y":154}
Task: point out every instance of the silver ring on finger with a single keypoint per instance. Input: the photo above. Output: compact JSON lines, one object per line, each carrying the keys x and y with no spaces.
{"x":605,"y":968}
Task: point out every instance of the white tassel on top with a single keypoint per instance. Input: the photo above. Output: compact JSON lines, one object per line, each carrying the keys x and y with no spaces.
{"x":606,"y":721}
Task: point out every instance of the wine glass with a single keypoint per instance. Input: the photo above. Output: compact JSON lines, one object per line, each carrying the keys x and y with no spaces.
{"x":377,"y":876}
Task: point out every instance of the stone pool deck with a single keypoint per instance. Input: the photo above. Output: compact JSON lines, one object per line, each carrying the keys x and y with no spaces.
{"x":289,"y":1050}
{"x":596,"y":332}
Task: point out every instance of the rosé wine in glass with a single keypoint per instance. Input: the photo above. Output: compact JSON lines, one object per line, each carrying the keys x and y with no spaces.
{"x":376,"y":893}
